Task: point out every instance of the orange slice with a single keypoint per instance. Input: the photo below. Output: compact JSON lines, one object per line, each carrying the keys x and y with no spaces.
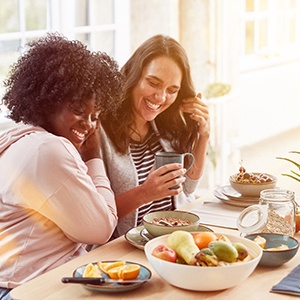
{"x":91,"y":271}
{"x":114,"y":272}
{"x":130,"y":271}
{"x":105,"y":267}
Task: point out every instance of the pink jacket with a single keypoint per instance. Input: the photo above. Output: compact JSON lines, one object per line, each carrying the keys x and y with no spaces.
{"x":50,"y":203}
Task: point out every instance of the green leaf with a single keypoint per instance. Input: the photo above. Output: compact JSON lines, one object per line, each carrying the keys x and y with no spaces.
{"x":288,"y":175}
{"x":290,"y":160}
{"x":294,"y":175}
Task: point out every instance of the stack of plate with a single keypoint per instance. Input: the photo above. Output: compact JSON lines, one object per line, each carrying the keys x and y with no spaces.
{"x":230,"y":196}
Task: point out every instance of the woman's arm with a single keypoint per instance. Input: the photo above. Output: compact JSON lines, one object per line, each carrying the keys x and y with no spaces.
{"x":78,"y":197}
{"x":156,"y":186}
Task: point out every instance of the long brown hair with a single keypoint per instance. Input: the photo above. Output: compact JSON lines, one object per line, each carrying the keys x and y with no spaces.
{"x":180,"y":130}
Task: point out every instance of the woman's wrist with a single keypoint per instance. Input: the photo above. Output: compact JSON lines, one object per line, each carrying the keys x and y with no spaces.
{"x":90,"y":154}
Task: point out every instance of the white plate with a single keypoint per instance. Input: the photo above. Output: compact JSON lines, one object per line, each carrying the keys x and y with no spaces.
{"x":138,"y":236}
{"x":231,"y":201}
{"x":111,"y":287}
{"x":231,"y":193}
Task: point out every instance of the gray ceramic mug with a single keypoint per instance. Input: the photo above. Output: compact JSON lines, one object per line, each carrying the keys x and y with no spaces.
{"x":164,"y":158}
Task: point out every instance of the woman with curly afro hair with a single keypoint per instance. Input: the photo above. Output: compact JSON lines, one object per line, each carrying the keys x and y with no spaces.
{"x":54,"y":193}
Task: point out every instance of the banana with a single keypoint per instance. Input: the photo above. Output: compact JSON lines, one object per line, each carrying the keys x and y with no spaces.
{"x":206,"y":260}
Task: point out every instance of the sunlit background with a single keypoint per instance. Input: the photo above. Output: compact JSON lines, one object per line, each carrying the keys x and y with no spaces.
{"x":252,"y":46}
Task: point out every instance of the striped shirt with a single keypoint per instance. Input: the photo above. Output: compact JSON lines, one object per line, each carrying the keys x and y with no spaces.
{"x":143,"y":158}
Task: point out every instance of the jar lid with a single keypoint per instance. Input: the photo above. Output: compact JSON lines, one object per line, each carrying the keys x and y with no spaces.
{"x":253,"y":219}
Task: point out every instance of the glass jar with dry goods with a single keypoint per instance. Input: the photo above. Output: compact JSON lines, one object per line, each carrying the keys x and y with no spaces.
{"x":275,"y":213}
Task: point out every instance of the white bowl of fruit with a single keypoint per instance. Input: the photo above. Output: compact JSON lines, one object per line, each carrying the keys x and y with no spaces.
{"x":203,"y":261}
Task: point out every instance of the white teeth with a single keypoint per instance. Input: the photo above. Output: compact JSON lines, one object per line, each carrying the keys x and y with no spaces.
{"x":152,"y":105}
{"x":80,"y":135}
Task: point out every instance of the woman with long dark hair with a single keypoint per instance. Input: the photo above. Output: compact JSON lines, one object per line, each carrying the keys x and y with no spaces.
{"x":160,"y":111}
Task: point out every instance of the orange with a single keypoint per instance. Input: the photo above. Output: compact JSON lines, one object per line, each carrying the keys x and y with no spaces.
{"x":106,"y":266}
{"x":91,"y":271}
{"x":202,"y":239}
{"x":131,"y":271}
{"x":114,"y":272}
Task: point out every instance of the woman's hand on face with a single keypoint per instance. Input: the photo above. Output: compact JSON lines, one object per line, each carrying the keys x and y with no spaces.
{"x":157,"y":185}
{"x":91,"y":146}
{"x":198,"y":111}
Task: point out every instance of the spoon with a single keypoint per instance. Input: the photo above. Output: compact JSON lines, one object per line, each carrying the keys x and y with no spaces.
{"x":166,"y":223}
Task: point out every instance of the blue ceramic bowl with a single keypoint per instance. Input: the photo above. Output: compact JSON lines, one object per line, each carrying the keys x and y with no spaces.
{"x":276,"y":258}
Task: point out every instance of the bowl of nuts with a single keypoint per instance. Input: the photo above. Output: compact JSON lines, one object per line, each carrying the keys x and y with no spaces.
{"x":250,"y":184}
{"x":165,"y":222}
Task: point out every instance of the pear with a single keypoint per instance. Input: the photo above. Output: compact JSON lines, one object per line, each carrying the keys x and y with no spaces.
{"x":224,"y":251}
{"x":241,"y":249}
{"x":182,"y":242}
{"x":207,"y":251}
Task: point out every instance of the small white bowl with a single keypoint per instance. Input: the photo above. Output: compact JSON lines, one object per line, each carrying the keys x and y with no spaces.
{"x":252,"y":189}
{"x":198,"y":278}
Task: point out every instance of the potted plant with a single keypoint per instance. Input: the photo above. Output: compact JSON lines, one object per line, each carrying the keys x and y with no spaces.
{"x":296,"y":176}
{"x":212,"y":91}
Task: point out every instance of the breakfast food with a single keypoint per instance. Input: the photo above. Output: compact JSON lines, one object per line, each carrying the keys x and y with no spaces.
{"x":202,"y":239}
{"x":247,"y":177}
{"x":91,"y":270}
{"x":164,"y":252}
{"x":119,"y":269}
{"x":262,"y":243}
{"x":220,"y":251}
{"x":170,"y":221}
{"x":115,"y":270}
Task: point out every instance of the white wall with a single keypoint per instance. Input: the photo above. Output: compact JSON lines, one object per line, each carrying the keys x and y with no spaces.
{"x":269,"y":101}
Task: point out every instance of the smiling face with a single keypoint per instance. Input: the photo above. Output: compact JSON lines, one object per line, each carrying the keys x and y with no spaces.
{"x":156,"y":90}
{"x":76,"y":122}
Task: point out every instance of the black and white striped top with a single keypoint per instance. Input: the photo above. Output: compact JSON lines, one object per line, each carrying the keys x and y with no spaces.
{"x":143,"y":157}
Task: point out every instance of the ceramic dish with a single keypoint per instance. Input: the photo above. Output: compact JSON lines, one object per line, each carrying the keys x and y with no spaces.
{"x":252,"y":189}
{"x":276,"y":258}
{"x":182,"y":220}
{"x":138,"y":236}
{"x":145,"y":274}
{"x":231,"y":201}
{"x":204,"y":278}
{"x":228,"y":191}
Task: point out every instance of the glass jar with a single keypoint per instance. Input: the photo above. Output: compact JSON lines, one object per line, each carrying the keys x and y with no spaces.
{"x":275,"y":213}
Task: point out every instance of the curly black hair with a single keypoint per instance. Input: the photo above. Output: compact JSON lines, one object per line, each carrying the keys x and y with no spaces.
{"x":55,"y":70}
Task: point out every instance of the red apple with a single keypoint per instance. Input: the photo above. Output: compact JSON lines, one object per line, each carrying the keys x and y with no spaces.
{"x":164,"y":252}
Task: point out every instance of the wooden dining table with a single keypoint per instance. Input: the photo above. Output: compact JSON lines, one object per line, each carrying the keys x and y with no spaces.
{"x":49,"y":286}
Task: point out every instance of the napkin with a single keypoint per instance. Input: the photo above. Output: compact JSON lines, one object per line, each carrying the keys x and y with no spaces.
{"x":289,"y":284}
{"x":216,"y":213}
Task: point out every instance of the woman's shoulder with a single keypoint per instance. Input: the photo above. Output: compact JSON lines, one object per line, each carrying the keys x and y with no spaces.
{"x":46,"y":143}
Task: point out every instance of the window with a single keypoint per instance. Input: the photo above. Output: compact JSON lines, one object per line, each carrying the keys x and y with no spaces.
{"x":271,"y":32}
{"x":103,"y":25}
